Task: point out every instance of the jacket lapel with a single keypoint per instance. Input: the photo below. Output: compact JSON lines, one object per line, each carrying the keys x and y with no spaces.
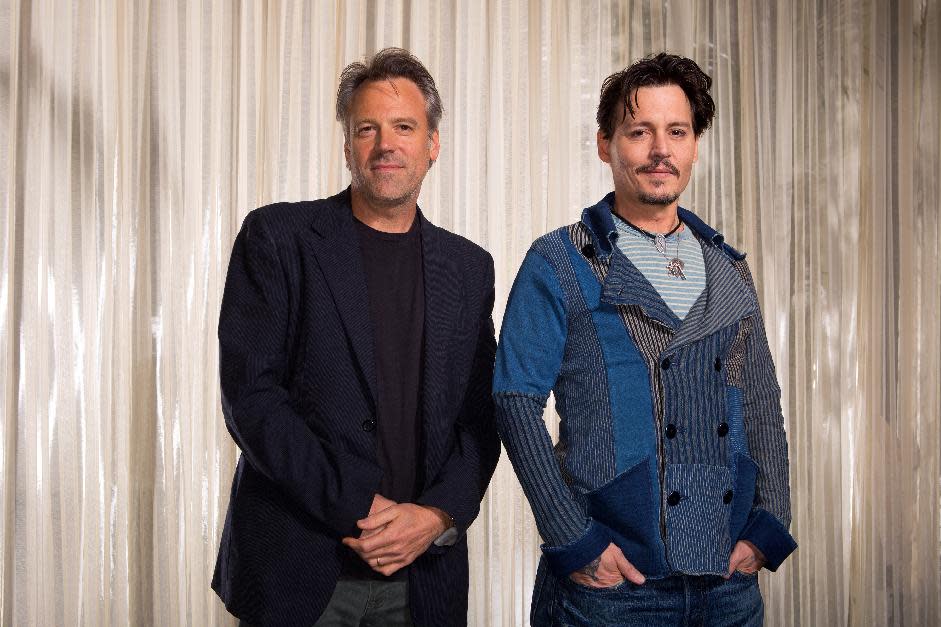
{"x":725,"y":300}
{"x":443,"y":298}
{"x":624,"y":284}
{"x":336,"y":246}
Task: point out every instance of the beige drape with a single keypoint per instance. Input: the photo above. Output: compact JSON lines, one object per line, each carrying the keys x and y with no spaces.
{"x":135,"y":136}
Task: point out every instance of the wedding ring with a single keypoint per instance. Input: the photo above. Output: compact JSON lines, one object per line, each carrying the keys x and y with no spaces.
{"x":378,"y":563}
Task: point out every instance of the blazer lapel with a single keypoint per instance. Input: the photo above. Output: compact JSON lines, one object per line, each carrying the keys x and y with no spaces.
{"x":336,"y":246}
{"x":443,"y":307}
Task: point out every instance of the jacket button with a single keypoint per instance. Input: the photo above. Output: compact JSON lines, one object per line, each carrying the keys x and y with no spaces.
{"x":665,"y":364}
{"x":671,"y":431}
{"x":673,"y":499}
{"x":369,"y":425}
{"x":588,"y":250}
{"x":727,"y":497}
{"x":723,"y":429}
{"x":718,"y":364}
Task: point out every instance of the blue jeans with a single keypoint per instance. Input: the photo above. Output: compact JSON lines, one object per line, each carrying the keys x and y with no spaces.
{"x":677,"y":601}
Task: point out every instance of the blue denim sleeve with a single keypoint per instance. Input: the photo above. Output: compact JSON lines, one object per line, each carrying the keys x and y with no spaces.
{"x":529,"y":357}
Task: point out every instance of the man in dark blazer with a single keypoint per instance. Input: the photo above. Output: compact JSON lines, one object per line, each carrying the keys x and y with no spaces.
{"x":356,"y":358}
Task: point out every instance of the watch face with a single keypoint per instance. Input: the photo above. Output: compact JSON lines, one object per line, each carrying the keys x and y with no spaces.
{"x":447,"y":538}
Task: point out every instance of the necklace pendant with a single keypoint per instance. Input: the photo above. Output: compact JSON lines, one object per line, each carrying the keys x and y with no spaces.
{"x":675,"y":268}
{"x":660,"y":242}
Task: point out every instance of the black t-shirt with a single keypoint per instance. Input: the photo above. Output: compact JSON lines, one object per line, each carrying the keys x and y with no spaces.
{"x":396,"y":292}
{"x":395,"y":287}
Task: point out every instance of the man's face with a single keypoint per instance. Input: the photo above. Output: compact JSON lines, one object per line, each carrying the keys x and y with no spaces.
{"x":651,"y":153}
{"x":389,"y":148}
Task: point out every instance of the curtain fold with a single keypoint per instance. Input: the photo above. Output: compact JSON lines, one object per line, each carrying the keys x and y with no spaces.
{"x":135,"y":137}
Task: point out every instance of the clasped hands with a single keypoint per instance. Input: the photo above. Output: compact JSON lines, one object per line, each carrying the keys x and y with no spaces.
{"x":611,"y":568}
{"x":395,"y":534}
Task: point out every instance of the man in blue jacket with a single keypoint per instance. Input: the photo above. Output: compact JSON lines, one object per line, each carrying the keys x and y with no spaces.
{"x":356,"y":360}
{"x":668,"y":488}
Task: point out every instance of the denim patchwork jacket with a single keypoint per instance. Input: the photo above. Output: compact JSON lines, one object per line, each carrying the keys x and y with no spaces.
{"x":672,"y":442}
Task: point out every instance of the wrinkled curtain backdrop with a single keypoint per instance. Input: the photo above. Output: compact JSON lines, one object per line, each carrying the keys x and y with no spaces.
{"x":135,"y":137}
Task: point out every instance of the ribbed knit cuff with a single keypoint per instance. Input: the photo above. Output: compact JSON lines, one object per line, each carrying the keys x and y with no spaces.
{"x":570,"y":557}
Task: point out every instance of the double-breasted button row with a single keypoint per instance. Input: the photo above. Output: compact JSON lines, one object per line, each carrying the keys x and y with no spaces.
{"x":675,"y":497}
{"x":671,"y":430}
{"x":665,"y":364}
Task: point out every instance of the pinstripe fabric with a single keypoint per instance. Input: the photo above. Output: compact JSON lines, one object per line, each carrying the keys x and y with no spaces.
{"x":590,"y":448}
{"x":700,"y":514}
{"x":559,"y":519}
{"x":710,"y":380}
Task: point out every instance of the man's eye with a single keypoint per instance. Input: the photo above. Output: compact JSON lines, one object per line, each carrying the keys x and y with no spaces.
{"x":679,"y":132}
{"x":405,"y":128}
{"x":364,"y":130}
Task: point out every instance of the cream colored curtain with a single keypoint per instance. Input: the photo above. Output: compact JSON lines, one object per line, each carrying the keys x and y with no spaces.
{"x":135,"y":136}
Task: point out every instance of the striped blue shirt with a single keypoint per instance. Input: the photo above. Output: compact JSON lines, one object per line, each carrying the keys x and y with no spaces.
{"x":679,"y":295}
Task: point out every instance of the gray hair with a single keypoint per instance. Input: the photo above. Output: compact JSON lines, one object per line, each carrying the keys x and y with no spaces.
{"x":386,"y":64}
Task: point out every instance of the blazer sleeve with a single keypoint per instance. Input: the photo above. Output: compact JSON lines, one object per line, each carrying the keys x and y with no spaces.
{"x":333,"y":486}
{"x":462,"y":481}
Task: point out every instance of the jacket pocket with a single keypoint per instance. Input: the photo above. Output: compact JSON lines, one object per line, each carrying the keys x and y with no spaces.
{"x":629,"y":505}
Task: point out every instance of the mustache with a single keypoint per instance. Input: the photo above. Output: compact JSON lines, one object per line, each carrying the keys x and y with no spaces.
{"x":658,"y":165}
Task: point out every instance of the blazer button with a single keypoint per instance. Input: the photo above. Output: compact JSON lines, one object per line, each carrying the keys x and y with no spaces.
{"x":727,"y":497}
{"x":673,"y":499}
{"x":723,"y":429}
{"x":718,"y":364}
{"x":665,"y":364}
{"x":588,"y":250}
{"x":671,"y":431}
{"x":369,"y":425}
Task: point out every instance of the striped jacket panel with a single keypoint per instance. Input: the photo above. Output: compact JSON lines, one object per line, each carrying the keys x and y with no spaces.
{"x":672,"y":442}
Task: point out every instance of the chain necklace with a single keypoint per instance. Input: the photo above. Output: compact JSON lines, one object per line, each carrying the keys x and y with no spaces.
{"x":674,"y":265}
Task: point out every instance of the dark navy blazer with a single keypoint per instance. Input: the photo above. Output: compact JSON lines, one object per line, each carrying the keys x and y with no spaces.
{"x":299,"y":396}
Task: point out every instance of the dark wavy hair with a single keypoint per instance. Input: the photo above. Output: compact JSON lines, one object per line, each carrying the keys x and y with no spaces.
{"x":619,"y":91}
{"x":386,"y":64}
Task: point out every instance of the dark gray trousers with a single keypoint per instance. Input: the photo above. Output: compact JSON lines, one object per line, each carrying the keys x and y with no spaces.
{"x":365,"y":603}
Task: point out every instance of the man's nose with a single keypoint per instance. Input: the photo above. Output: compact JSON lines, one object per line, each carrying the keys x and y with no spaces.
{"x":384,"y":141}
{"x":660,"y":149}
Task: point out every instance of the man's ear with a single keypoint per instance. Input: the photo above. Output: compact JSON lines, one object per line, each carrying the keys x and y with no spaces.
{"x":435,"y":146}
{"x":604,"y":145}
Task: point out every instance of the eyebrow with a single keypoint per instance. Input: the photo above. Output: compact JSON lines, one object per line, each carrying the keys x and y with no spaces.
{"x":408,"y":120}
{"x":671,"y":124}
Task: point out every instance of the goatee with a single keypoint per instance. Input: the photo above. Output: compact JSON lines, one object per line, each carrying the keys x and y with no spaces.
{"x":658,"y":199}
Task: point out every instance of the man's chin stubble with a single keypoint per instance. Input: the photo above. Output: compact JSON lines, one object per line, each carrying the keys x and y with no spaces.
{"x":661,"y":199}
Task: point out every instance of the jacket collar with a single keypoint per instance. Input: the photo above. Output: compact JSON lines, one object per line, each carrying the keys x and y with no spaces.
{"x":724,"y":300}
{"x":600,"y":221}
